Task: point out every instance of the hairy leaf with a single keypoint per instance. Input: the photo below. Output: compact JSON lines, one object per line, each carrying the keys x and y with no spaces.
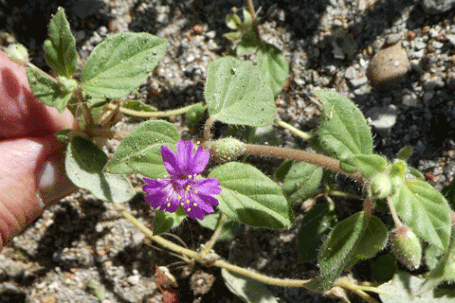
{"x":120,"y":64}
{"x":251,"y":197}
{"x":236,"y":93}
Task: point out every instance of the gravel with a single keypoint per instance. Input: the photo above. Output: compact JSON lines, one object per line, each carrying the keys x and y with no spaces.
{"x":328,"y":44}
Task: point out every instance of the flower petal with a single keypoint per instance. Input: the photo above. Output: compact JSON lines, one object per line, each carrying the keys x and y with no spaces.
{"x":209,"y":186}
{"x":200,"y":161}
{"x":170,"y":160}
{"x":194,"y":212}
{"x":184,"y":154}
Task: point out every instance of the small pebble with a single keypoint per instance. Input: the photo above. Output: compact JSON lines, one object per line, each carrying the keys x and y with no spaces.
{"x":387,"y":67}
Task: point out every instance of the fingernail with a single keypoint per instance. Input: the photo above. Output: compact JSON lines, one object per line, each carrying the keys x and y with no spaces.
{"x":53,"y":182}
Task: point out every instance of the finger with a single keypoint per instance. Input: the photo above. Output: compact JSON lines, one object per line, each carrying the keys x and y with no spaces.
{"x":21,"y":114}
{"x":32,"y":176}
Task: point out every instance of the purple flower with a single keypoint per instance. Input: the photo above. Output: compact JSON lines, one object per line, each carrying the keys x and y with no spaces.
{"x":184,"y":187}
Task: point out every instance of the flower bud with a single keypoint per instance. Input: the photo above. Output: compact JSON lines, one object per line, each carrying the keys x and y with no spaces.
{"x":18,"y":53}
{"x":381,"y":186}
{"x":228,"y":149}
{"x":406,"y":247}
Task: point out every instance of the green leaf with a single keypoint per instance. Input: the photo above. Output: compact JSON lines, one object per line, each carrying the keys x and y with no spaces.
{"x":165,"y":220}
{"x":316,"y":225}
{"x":404,"y":153}
{"x":233,"y":35}
{"x":425,"y":211}
{"x":405,"y":288}
{"x":140,"y":151}
{"x":236,"y":93}
{"x":84,"y":164}
{"x":62,"y":135}
{"x":248,"y":43}
{"x":283,"y":170}
{"x":368,"y":165}
{"x":443,"y":271}
{"x":302,"y":182}
{"x":273,"y":66}
{"x":252,"y":198}
{"x":355,"y":238}
{"x":416,"y":173}
{"x":60,"y":48}
{"x":449,"y":192}
{"x":233,"y":21}
{"x":228,"y":231}
{"x":138,"y":106}
{"x":343,"y":129}
{"x":247,"y":289}
{"x":47,"y":91}
{"x":383,"y":268}
{"x":120,"y":64}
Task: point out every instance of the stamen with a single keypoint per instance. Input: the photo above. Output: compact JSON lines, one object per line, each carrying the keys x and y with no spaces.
{"x":188,"y":209}
{"x":188,"y":201}
{"x":169,"y":205}
{"x":196,"y":191}
{"x":179,"y":198}
{"x":195,"y":204}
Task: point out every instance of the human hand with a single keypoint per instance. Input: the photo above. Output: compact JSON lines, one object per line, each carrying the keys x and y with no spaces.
{"x":32,"y":174}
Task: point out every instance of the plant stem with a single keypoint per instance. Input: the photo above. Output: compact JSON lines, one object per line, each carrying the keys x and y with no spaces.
{"x":208,"y":246}
{"x":89,"y":123}
{"x":393,"y":212}
{"x":163,"y":242}
{"x":198,"y":256}
{"x":343,"y":194}
{"x":208,"y":127}
{"x":368,"y":206}
{"x":261,"y":277}
{"x":250,"y":6}
{"x":299,"y":155}
{"x":305,"y":136}
{"x":166,"y":113}
{"x":32,"y":66}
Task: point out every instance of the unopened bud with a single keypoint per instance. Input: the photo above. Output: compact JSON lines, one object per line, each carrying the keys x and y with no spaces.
{"x":406,"y":247}
{"x":18,"y":53}
{"x":381,"y":186}
{"x":228,"y":149}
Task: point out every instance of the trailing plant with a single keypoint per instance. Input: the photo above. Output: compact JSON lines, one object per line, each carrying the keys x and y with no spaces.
{"x":236,"y":192}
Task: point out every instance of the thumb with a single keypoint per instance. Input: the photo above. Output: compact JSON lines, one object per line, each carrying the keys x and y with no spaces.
{"x":32,"y":178}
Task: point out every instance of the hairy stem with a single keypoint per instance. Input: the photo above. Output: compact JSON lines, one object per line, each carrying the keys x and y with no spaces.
{"x":250,"y":6}
{"x":167,"y":113}
{"x":393,"y":212}
{"x":208,"y":127}
{"x":299,"y":155}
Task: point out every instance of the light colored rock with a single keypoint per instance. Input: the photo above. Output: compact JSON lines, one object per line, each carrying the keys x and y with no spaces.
{"x":437,"y":6}
{"x":383,"y":118}
{"x":387,"y":67}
